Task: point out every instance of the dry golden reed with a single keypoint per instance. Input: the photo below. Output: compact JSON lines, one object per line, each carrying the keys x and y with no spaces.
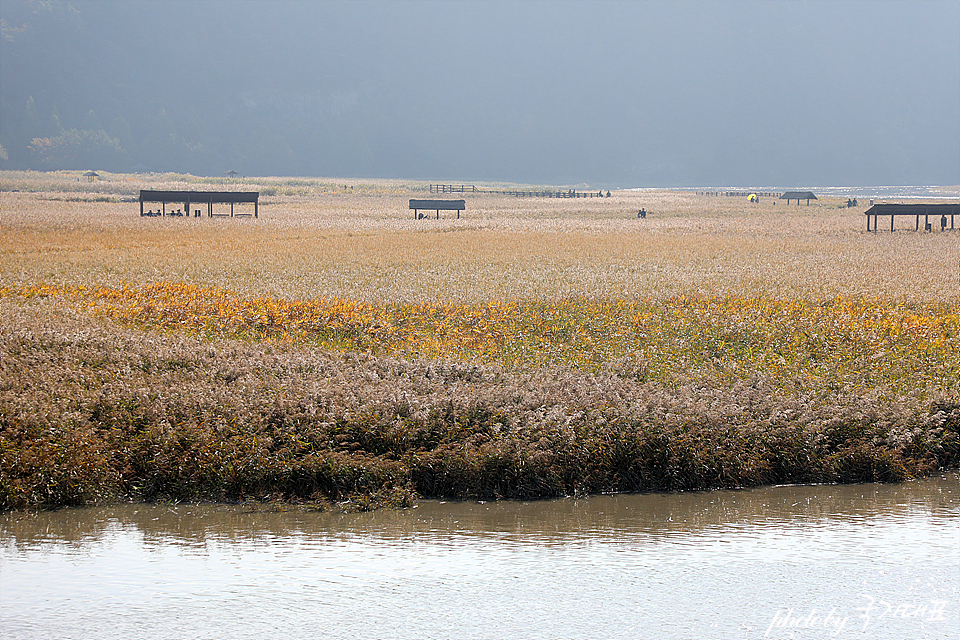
{"x":337,"y":350}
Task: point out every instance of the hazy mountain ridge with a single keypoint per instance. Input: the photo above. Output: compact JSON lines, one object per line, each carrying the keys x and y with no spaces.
{"x":616,"y":93}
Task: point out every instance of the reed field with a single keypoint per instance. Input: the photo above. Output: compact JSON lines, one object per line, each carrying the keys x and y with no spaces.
{"x":336,"y":352}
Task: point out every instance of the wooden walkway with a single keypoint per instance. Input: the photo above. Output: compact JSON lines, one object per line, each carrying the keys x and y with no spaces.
{"x":741,"y":194}
{"x":519,"y":193}
{"x":570,"y":193}
{"x":453,"y":188}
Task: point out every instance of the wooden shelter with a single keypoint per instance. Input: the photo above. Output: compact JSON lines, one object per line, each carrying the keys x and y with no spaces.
{"x":438,"y":206}
{"x":798,"y":196}
{"x":918,"y":209}
{"x":91,"y":176}
{"x":208,"y":198}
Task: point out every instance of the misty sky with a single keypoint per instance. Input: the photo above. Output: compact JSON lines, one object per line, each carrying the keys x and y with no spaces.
{"x":626,"y":94}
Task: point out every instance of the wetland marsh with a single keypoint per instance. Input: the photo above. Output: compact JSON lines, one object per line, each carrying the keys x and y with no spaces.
{"x":337,"y":352}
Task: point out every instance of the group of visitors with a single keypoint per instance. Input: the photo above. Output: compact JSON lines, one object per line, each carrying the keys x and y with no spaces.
{"x":159,"y":212}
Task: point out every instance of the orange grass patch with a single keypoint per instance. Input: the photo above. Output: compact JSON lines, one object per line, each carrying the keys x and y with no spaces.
{"x":838,"y":343}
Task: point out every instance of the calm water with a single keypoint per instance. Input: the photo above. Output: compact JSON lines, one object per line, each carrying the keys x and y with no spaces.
{"x":863,"y":561}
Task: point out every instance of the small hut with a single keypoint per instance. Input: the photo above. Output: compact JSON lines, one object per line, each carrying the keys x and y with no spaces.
{"x":231,"y":174}
{"x":91,"y":176}
{"x":798,"y":196}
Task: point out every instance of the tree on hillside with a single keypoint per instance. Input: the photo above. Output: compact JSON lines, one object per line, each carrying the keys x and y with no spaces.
{"x":79,"y":149}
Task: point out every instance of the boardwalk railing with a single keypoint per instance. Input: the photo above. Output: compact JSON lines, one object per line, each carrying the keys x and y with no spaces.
{"x":520,"y":193}
{"x":572,"y":193}
{"x":453,"y":188}
{"x":738,"y":194}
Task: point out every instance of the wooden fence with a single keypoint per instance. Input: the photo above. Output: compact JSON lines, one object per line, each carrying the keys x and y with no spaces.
{"x":453,"y":188}
{"x":741,"y":194}
{"x":571,"y":193}
{"x":520,"y":193}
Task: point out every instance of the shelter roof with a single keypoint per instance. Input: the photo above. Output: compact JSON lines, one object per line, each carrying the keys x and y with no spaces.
{"x":218,"y":197}
{"x":917,"y":208}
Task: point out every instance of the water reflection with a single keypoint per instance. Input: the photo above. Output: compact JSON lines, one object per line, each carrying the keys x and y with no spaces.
{"x":713,"y":565}
{"x":551,"y":521}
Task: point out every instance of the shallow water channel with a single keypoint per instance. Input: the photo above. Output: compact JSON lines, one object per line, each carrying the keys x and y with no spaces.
{"x":857,"y":561}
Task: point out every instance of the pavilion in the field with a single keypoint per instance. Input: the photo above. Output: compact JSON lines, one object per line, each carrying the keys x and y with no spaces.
{"x":798,"y":196}
{"x":208,"y":198}
{"x":939,"y":211}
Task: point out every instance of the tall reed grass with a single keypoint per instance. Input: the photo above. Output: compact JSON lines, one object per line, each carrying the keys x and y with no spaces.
{"x":336,"y":351}
{"x":91,"y":412}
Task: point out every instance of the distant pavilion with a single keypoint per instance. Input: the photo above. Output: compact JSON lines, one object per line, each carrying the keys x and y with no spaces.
{"x":209,"y":198}
{"x":798,"y":196}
